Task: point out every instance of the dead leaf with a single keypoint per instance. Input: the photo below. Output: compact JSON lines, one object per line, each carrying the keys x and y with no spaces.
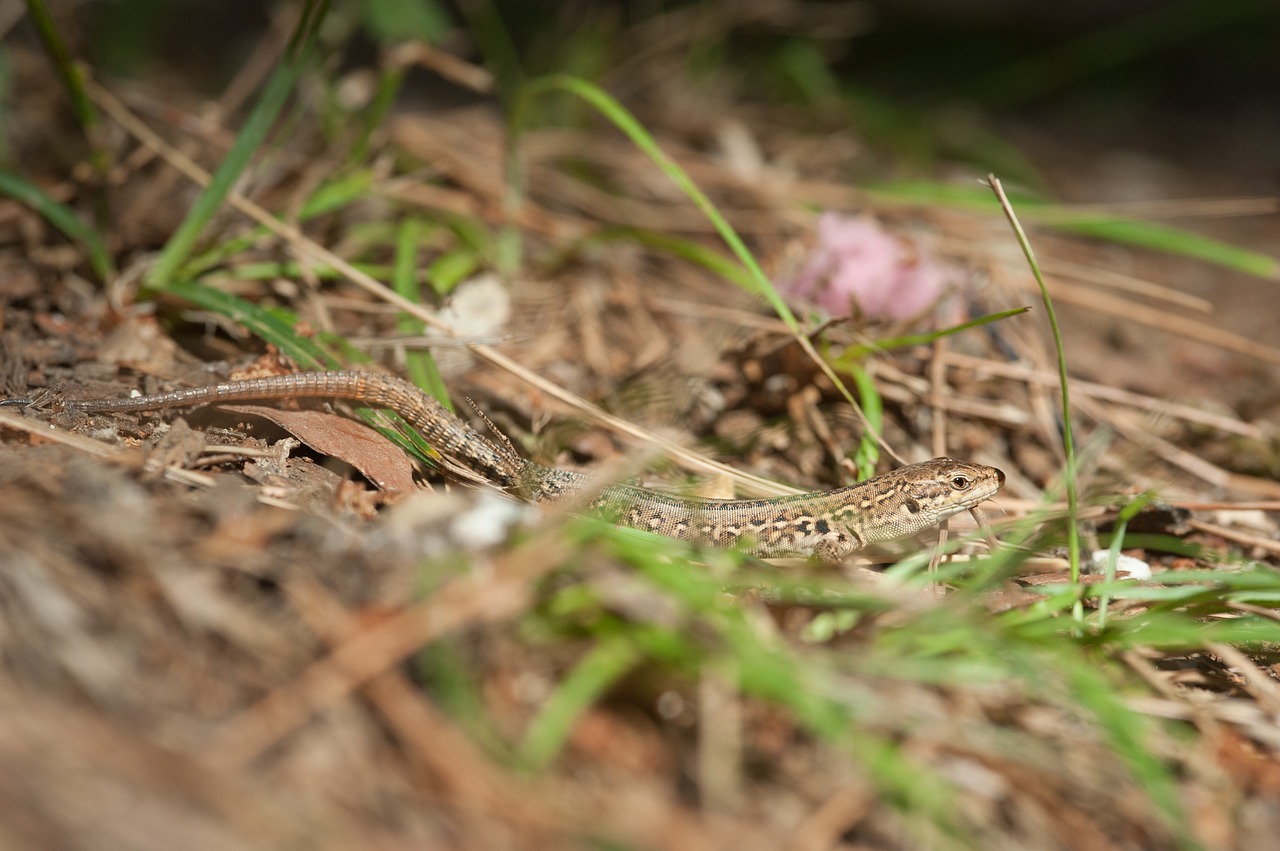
{"x":377,"y":458}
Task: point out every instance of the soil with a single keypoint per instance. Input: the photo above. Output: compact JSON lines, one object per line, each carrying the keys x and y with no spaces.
{"x":236,"y":627}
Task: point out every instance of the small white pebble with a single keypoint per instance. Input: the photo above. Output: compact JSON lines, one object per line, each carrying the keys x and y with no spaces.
{"x":432,"y":523}
{"x":1135,"y":567}
{"x":1258,"y":521}
{"x":487,"y":522}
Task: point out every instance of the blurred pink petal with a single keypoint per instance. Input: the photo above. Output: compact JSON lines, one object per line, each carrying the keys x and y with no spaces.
{"x":856,"y":261}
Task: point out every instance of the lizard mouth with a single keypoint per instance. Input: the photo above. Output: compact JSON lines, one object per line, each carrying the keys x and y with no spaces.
{"x":989,"y":491}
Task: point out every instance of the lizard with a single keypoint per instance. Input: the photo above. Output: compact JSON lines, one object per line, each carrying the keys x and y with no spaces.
{"x":827,"y":524}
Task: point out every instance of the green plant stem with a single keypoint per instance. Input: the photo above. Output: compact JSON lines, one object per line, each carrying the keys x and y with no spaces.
{"x":1068,"y":442}
{"x":249,"y":140}
{"x":609,"y":107}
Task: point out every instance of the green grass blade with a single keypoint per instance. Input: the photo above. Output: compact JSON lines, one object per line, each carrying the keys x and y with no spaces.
{"x":685,"y":249}
{"x":1171,"y":240}
{"x":420,"y":365}
{"x":953,"y":196}
{"x":274,"y":326}
{"x":608,"y":661}
{"x":72,"y":76}
{"x":609,"y":107}
{"x":450,"y":269}
{"x":1155,"y":236}
{"x":394,"y":21}
{"x":495,"y":42}
{"x":1127,"y":733}
{"x":63,"y":218}
{"x":1068,"y":442}
{"x":272,"y":269}
{"x":867,"y":455}
{"x":350,"y":188}
{"x":855,"y":353}
{"x":254,"y":132}
{"x":1117,"y":543}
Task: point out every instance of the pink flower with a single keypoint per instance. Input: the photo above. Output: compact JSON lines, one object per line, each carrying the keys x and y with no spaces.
{"x":855,"y":261}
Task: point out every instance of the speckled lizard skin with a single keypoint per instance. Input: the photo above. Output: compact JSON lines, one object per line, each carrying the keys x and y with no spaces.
{"x":829,"y":524}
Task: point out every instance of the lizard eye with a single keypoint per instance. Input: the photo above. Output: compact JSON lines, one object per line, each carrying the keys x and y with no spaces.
{"x":960,"y":482}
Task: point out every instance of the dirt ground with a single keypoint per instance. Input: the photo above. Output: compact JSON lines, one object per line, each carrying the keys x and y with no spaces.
{"x":237,"y":627}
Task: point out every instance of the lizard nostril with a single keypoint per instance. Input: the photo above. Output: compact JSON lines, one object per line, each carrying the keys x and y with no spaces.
{"x":1000,"y":477}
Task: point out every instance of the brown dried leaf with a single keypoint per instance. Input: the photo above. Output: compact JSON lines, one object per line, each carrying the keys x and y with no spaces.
{"x":377,"y":458}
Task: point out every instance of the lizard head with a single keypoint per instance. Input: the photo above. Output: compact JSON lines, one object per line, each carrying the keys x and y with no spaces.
{"x":919,"y":496}
{"x":937,"y":489}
